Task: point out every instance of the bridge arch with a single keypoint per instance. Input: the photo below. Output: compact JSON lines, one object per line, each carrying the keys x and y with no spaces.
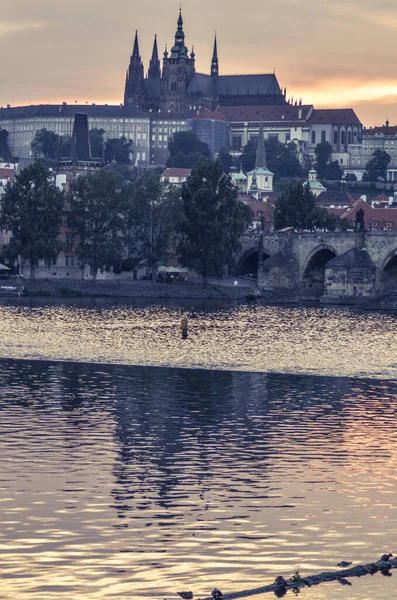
{"x":388,"y":271}
{"x":313,"y":272}
{"x":248,"y":261}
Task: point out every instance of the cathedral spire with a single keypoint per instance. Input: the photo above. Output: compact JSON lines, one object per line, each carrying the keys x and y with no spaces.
{"x":135,"y":52}
{"x":154,"y":65}
{"x":134,"y":93}
{"x":261,"y":161}
{"x":180,"y":35}
{"x":214,"y":62}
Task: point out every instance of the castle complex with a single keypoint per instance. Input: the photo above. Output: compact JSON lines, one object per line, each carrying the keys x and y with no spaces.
{"x":177,"y":87}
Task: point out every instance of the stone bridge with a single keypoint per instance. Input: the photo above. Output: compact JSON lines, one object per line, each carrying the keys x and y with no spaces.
{"x":366,"y":263}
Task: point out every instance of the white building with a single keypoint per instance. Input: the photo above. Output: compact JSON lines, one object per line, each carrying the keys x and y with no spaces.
{"x":375,"y":138}
{"x":23,"y":122}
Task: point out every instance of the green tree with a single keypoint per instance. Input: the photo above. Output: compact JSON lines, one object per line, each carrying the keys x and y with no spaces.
{"x":282,"y":159}
{"x":376,"y":169}
{"x":214,"y":220}
{"x":248,"y":156}
{"x":118,"y":149}
{"x":323,"y":152}
{"x":65,"y":146}
{"x":125,"y":172}
{"x":322,"y":219}
{"x":294,"y":206}
{"x":45,"y":144}
{"x":96,"y":142}
{"x":5,"y":153}
{"x":306,"y":163}
{"x":187,"y":142}
{"x":31,"y":209}
{"x":98,"y":203}
{"x":326,"y":169}
{"x":226,"y":160}
{"x":350,"y":177}
{"x":154,"y":215}
{"x":186,"y":150}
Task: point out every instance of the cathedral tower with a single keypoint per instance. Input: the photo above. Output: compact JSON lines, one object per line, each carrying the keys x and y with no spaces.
{"x":178,"y":70}
{"x":134,"y":92}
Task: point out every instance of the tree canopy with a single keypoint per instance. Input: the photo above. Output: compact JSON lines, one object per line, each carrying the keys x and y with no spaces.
{"x":31,"y":209}
{"x":325,"y":167}
{"x":186,"y":150}
{"x":282,"y":159}
{"x":214,"y":220}
{"x":294,"y":206}
{"x":96,"y":142}
{"x":98,"y":204}
{"x":376,"y":169}
{"x":5,"y":153}
{"x":226,"y":160}
{"x":119,"y":150}
{"x":45,"y":144}
{"x":155,"y":212}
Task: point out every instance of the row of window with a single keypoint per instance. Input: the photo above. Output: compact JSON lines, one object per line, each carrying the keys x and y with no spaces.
{"x":343,"y":137}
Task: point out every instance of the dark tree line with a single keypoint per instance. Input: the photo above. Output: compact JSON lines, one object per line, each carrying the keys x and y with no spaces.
{"x":117,"y":223}
{"x":50,"y":146}
{"x":296,"y":207}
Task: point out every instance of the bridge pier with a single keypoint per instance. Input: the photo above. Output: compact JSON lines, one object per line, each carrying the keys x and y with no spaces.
{"x":339,"y":266}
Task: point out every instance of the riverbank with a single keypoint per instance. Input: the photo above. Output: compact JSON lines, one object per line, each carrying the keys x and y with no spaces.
{"x":139,"y":289}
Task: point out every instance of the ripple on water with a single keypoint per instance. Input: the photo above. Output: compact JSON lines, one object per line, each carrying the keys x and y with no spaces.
{"x":244,"y":337}
{"x":131,"y":482}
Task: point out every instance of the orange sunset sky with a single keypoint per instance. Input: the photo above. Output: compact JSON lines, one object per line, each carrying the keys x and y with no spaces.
{"x":339,"y":53}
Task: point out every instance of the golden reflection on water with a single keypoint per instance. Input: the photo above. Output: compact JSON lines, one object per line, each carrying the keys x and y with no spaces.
{"x":124,"y":482}
{"x":248,"y":338}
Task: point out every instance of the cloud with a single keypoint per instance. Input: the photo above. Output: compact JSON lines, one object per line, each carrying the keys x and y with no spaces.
{"x":341,"y":51}
{"x":9,"y":27}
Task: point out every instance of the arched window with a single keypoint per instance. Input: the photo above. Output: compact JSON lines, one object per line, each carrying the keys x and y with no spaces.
{"x":343,"y":137}
{"x":349,"y":137}
{"x":313,"y":137}
{"x":335,"y":137}
{"x":323,"y":136}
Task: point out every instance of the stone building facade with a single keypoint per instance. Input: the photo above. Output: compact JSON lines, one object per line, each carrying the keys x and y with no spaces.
{"x":23,"y":122}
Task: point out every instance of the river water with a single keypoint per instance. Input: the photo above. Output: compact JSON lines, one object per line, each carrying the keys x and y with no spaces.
{"x":135,"y":464}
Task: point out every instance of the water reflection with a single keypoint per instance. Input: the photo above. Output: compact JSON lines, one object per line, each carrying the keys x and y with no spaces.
{"x":221,"y":336}
{"x":133,"y":482}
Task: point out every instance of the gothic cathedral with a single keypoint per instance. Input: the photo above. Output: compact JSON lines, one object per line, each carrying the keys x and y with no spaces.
{"x":177,"y":87}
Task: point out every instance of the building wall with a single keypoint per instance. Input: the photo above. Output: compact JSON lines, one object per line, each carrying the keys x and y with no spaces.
{"x":161,"y":129}
{"x":215,"y":133}
{"x":22,"y":131}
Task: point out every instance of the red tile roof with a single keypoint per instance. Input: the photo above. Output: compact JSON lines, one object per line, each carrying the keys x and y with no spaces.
{"x":280,"y":114}
{"x":174,"y":172}
{"x":334,"y":116}
{"x":7,"y":174}
{"x":341,"y":198}
{"x":384,"y":130}
{"x":380,"y":216}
